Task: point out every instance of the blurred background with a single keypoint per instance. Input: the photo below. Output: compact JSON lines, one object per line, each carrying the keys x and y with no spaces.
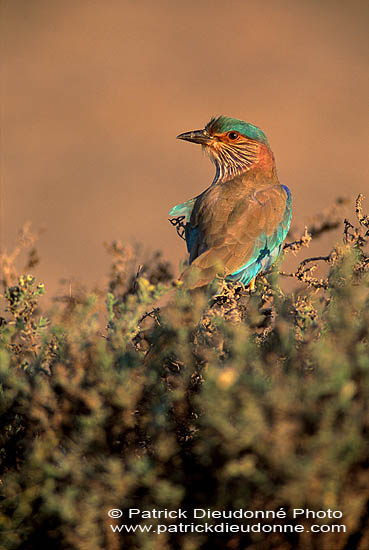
{"x":95,"y":92}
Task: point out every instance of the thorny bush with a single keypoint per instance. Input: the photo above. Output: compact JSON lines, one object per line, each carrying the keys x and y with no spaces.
{"x":222,"y":400}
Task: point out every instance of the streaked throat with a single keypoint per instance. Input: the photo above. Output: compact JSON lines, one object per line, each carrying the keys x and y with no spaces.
{"x":231,"y":161}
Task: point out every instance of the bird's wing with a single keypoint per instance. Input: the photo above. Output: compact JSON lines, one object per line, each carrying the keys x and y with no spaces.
{"x":184,"y":209}
{"x":231,"y":226}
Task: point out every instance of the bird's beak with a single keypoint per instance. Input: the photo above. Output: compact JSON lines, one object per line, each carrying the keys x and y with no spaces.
{"x":196,"y":136}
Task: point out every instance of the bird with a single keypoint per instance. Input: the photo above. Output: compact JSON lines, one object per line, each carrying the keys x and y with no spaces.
{"x":235,"y":229}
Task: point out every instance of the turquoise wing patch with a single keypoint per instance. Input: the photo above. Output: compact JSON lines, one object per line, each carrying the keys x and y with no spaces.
{"x":184,"y":209}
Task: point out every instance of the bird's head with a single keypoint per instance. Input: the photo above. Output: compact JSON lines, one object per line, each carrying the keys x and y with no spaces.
{"x":233,"y":145}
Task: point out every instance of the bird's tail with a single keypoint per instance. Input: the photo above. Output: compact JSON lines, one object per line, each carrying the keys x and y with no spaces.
{"x":196,"y":277}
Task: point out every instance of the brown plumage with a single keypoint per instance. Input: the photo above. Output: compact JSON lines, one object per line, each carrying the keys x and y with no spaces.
{"x":230,"y":218}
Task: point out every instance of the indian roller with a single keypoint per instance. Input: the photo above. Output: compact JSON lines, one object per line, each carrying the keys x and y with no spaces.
{"x":236,"y":227}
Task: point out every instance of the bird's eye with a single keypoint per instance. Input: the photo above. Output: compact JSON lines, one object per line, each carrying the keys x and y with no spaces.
{"x":233,"y":135}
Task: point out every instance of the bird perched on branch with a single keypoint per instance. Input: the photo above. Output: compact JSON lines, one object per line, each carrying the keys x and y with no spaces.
{"x":237,"y":226}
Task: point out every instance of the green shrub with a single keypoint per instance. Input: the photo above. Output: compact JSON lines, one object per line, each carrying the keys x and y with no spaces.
{"x":221,"y":402}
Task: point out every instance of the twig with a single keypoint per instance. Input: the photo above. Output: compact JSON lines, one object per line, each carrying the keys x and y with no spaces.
{"x":295,"y":246}
{"x":362,"y":218}
{"x":153,"y":314}
{"x":179,"y":225}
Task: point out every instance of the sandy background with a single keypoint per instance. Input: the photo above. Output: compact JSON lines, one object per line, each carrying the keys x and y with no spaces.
{"x":94,"y":93}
